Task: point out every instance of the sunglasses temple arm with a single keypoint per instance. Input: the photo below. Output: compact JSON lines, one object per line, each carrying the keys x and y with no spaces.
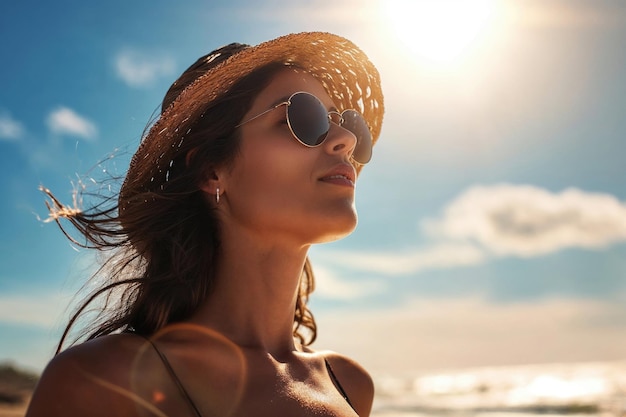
{"x":284,"y":103}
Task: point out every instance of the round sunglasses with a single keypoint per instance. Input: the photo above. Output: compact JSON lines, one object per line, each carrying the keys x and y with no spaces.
{"x":309,"y":122}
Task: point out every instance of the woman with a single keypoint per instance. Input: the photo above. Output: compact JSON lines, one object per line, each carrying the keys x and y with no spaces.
{"x":253,"y":159}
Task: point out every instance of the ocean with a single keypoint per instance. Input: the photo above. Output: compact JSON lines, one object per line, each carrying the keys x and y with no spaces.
{"x":589,"y":389}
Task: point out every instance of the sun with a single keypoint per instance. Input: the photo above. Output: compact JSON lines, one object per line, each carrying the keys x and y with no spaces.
{"x":440,"y":31}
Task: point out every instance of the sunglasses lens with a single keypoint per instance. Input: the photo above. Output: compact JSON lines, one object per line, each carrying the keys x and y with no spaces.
{"x":354,"y":122}
{"x":308,"y":119}
{"x":309,"y":122}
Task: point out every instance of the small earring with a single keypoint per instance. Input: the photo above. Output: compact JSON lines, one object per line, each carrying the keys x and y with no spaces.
{"x":217,"y":195}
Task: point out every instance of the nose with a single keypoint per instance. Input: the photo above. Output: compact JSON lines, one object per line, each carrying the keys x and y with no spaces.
{"x":340,"y":141}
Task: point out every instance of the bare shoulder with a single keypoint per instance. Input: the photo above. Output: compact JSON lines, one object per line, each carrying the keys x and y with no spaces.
{"x":354,"y":379}
{"x":90,"y":379}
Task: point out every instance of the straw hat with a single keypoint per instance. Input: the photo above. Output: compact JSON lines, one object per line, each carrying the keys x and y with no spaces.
{"x":346,"y":73}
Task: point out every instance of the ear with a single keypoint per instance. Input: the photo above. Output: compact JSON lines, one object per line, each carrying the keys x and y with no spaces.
{"x":214,"y":182}
{"x":211,"y":183}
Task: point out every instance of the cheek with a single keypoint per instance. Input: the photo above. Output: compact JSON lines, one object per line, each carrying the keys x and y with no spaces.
{"x":269,"y":162}
{"x":267,"y":170}
{"x":271,"y":182}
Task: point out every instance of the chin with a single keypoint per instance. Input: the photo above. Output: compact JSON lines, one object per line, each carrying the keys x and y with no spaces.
{"x":338,"y":229}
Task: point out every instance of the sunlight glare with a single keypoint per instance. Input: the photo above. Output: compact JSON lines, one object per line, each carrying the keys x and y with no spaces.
{"x":440,"y":31}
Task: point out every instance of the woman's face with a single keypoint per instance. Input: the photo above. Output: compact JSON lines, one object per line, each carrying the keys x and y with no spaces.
{"x":278,"y":188}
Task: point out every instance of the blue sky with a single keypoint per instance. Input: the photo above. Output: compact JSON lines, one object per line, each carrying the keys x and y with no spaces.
{"x":492,"y":216}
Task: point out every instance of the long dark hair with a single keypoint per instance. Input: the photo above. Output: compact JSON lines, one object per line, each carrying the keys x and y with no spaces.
{"x":162,"y":241}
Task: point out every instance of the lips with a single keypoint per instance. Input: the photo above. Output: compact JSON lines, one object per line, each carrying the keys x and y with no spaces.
{"x":342,"y":174}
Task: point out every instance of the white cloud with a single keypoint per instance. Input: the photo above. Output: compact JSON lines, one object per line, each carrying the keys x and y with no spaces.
{"x":10,"y":129}
{"x":447,"y":255}
{"x":327,"y":285}
{"x":524,"y":220}
{"x":138,"y":69}
{"x":65,"y":121}
{"x":500,"y":220}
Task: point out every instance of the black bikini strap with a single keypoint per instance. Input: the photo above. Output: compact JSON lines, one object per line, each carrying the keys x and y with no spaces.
{"x":337,"y":384}
{"x":179,"y":384}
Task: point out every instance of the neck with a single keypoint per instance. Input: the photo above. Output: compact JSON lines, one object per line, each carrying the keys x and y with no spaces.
{"x":255,"y":293}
